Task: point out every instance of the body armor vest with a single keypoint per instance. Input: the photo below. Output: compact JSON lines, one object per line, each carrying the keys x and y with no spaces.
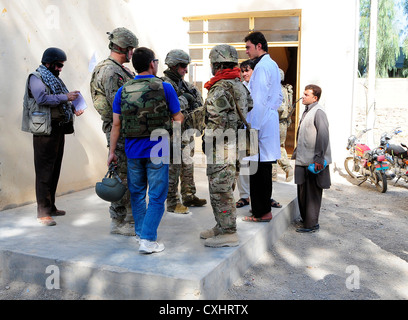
{"x":144,"y":108}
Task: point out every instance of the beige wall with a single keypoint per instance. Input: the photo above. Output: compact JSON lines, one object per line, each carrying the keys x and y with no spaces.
{"x":79,"y":27}
{"x":391,"y":108}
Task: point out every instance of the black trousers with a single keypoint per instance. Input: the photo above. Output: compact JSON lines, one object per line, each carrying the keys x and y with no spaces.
{"x":48,"y":153}
{"x":310,"y":200}
{"x":260,"y":189}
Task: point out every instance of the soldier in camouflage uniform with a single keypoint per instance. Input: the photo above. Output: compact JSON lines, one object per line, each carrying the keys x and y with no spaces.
{"x":226,"y":94}
{"x":108,"y":76}
{"x":191,"y":103}
{"x":284,"y":123}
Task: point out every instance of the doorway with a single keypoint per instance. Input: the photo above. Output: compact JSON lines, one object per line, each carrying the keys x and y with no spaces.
{"x":287,"y":60}
{"x":282,"y":30}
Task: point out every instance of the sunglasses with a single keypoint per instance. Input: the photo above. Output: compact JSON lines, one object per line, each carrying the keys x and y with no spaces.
{"x":59,"y":64}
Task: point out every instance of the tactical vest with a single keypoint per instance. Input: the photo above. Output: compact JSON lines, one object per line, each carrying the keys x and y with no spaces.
{"x":241,"y":98}
{"x":144,"y":108}
{"x":193,"y":111}
{"x":107,"y":77}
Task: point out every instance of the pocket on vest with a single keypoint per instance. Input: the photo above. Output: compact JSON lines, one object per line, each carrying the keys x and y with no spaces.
{"x":40,"y":123}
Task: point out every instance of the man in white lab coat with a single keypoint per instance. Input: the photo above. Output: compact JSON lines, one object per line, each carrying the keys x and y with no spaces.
{"x":267,"y":96}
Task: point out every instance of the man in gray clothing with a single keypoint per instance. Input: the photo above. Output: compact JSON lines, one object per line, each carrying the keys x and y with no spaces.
{"x":48,"y":114}
{"x":313,"y":149}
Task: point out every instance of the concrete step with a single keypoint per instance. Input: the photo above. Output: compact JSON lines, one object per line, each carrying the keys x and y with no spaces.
{"x":81,"y":255}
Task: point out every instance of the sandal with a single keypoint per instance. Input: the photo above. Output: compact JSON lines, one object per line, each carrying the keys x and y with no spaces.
{"x":242,"y":203}
{"x":275,"y":204}
{"x":255,"y":219}
{"x":47,"y":221}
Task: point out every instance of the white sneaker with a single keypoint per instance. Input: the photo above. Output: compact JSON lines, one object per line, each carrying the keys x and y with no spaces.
{"x":147,"y":246}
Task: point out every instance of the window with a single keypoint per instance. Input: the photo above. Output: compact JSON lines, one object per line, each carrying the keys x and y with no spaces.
{"x":281,"y":29}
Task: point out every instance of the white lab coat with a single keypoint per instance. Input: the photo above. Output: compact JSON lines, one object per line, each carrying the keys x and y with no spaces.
{"x":265,"y":88}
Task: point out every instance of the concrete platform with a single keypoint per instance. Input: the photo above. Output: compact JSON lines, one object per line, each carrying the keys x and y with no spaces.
{"x":81,"y":255}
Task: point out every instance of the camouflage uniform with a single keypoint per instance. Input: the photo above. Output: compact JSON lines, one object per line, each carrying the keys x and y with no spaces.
{"x":191,"y":103}
{"x":284,"y":124}
{"x":107,"y":77}
{"x":221,"y":104}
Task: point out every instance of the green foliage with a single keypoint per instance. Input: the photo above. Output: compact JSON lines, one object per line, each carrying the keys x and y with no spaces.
{"x":387,"y":37}
{"x":405,"y":44}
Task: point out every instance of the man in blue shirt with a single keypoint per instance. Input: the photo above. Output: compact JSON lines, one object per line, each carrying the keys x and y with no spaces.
{"x":148,"y":158}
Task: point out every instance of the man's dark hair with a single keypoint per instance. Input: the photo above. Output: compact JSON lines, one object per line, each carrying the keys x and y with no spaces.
{"x":317,"y":91}
{"x":247,"y":63}
{"x":257,"y":37}
{"x":141,"y":59}
{"x":224,"y":65}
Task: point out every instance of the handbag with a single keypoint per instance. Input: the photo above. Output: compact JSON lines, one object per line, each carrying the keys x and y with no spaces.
{"x":68,"y":127}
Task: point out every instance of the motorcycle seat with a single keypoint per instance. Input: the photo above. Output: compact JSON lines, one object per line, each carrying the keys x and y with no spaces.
{"x":398,"y":151}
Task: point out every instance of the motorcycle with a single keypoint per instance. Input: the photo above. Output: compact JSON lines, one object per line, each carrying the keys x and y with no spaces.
{"x":397,"y":155}
{"x":365,"y":164}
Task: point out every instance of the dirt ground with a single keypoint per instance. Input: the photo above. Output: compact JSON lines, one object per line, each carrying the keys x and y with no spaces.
{"x":359,"y":253}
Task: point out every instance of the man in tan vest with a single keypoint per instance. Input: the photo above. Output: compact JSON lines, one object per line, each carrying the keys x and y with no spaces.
{"x":312,"y":155}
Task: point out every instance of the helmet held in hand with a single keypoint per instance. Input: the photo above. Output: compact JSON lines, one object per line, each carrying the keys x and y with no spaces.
{"x":110,"y":188}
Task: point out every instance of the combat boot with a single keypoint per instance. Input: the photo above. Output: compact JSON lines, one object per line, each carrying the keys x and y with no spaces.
{"x":289,"y":175}
{"x":178,"y":208}
{"x":194,"y":201}
{"x":122,"y":228}
{"x":223,"y":240}
{"x":274,"y":172}
{"x":210,"y":233}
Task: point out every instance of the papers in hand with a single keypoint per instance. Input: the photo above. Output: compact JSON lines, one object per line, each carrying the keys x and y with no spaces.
{"x":79,"y":103}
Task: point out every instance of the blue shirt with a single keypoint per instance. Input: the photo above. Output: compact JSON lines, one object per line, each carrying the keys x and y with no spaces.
{"x":39,"y":92}
{"x":136,"y":148}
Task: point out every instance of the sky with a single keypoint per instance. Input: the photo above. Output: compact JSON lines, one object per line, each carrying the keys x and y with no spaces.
{"x":402,"y":19}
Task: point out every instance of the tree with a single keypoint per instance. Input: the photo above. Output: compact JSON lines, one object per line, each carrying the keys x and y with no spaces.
{"x":387,"y":37}
{"x":405,"y":43}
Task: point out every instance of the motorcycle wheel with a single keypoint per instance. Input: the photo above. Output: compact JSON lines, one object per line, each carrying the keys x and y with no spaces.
{"x":381,"y":181}
{"x":349,"y":166}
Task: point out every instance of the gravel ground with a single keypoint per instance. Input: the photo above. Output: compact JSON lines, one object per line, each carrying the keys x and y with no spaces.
{"x":359,"y":253}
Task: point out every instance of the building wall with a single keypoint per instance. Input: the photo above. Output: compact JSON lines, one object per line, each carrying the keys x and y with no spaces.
{"x":391,"y":108}
{"x":79,"y":28}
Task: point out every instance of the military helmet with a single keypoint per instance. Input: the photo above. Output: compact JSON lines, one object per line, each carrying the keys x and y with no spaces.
{"x":123,"y":38}
{"x":52,"y":55}
{"x":111,"y":188}
{"x":223,"y":53}
{"x":176,"y":56}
